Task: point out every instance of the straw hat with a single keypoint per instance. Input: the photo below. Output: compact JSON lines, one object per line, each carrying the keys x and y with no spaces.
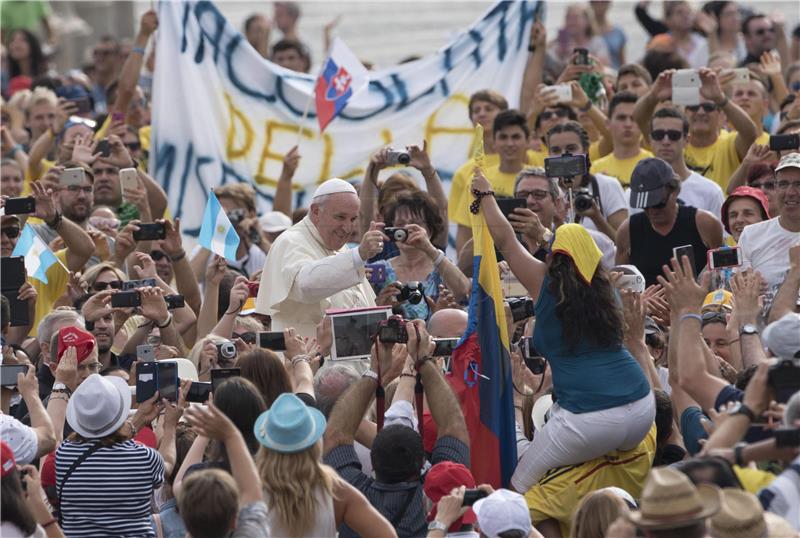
{"x":742,"y":516}
{"x":670,"y":500}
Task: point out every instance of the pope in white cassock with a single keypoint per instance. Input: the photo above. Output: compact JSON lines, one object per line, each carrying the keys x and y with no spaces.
{"x":309,"y":270}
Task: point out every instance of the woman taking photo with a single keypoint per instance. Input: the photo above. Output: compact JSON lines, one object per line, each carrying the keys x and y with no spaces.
{"x":604,"y":400}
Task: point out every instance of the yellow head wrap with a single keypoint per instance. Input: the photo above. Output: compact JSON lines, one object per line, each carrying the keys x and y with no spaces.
{"x":574,"y":241}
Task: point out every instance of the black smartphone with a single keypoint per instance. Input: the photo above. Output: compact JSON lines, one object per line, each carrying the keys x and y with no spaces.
{"x":686,"y":250}
{"x":218,"y":375}
{"x":146,"y":380}
{"x":126,"y":299}
{"x":582,"y":57}
{"x":784,"y":142}
{"x":150,"y":231}
{"x":83,"y":105}
{"x":129,"y":285}
{"x":19,"y":309}
{"x":174,"y":301}
{"x":567,"y":166}
{"x":20,"y":206}
{"x":508,"y":205}
{"x":444,"y":346}
{"x":8,"y":374}
{"x":199,"y":392}
{"x":12,"y":269}
{"x":787,"y":438}
{"x":471,"y":496}
{"x":167,"y":378}
{"x":272,"y":340}
{"x":103,"y":147}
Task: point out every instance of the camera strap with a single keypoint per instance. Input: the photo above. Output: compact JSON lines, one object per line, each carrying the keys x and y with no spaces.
{"x":418,"y":390}
{"x":380,"y":394}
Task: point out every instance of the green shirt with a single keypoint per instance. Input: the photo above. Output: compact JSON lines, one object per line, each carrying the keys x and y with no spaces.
{"x":25,"y":14}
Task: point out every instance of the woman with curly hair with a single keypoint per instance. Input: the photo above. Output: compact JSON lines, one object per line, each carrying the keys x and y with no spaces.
{"x":604,"y":401}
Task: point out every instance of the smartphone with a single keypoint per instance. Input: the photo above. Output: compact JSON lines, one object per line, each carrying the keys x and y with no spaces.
{"x":129,"y":285}
{"x":20,"y":206}
{"x":20,"y":316}
{"x":146,"y":381}
{"x":741,"y":74}
{"x":199,"y":392}
{"x":781,"y":142}
{"x":582,"y":57}
{"x":218,"y":375}
{"x":563,"y":92}
{"x":174,"y":301}
{"x":72,"y":176}
{"x":725,"y":257}
{"x":150,"y":231}
{"x":145,"y":353}
{"x":508,"y":205}
{"x":686,"y":87}
{"x":126,"y":299}
{"x":272,"y":340}
{"x":129,"y":179}
{"x":686,"y":250}
{"x":377,"y":274}
{"x":82,"y":105}
{"x":444,"y":346}
{"x":167,"y":378}
{"x":566,"y":166}
{"x":103,"y":147}
{"x":8,"y":374}
{"x":118,"y":117}
{"x":12,"y":269}
{"x":471,"y":496}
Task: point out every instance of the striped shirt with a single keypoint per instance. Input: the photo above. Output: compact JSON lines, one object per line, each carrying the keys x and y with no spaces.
{"x":109,"y":493}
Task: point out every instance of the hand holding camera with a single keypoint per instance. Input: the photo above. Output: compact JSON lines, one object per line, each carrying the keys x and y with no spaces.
{"x":710,"y":87}
{"x":240,"y":291}
{"x":295,"y":344}
{"x":125,"y":242}
{"x":420,"y":343}
{"x":418,"y":238}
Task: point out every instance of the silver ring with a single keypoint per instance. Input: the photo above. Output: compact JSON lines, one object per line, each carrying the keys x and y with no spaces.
{"x":380,"y":244}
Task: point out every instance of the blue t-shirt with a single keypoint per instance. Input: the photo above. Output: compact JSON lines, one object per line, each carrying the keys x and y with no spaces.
{"x":587,"y":378}
{"x":430,"y":286}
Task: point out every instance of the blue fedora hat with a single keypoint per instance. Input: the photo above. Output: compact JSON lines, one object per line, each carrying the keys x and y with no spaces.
{"x":289,"y":425}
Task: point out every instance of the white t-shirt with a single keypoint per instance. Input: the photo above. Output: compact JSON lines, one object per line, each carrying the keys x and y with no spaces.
{"x":612,"y":198}
{"x":20,"y":438}
{"x":765,"y":247}
{"x":700,"y":192}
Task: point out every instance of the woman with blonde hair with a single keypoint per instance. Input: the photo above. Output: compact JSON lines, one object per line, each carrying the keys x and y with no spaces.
{"x":596,"y":512}
{"x":304,"y":496}
{"x":579,"y":32}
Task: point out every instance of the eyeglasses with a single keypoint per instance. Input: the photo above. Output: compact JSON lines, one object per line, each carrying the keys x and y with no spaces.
{"x":537,"y":194}
{"x":133,"y":146}
{"x":93,"y":367}
{"x":673,"y":134}
{"x":75,"y":189}
{"x":249,"y":336}
{"x":785,"y":185}
{"x":100,"y":286}
{"x":707,"y":107}
{"x":103,"y":222}
{"x":559,"y":113}
{"x":662,"y":205}
{"x":765,"y":186}
{"x":11,"y":232}
{"x":157,"y":255}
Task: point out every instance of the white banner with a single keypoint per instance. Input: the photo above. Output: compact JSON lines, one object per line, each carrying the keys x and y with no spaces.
{"x":221,"y":113}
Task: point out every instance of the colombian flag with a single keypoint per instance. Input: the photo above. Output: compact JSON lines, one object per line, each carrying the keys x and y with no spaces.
{"x":482,"y":362}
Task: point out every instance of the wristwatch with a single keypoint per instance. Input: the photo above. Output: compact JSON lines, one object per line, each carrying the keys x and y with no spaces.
{"x":742,"y":409}
{"x":437,"y":526}
{"x":61,"y":387}
{"x":748,"y":328}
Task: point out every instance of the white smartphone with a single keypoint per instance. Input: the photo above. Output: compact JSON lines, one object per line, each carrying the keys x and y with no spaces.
{"x":721,"y":258}
{"x":741,"y":74}
{"x":145,"y":353}
{"x":563,"y":92}
{"x":129,"y":179}
{"x":686,"y":87}
{"x":72,"y":176}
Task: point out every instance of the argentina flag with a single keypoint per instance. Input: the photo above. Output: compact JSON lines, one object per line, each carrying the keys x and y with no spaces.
{"x":38,"y":258}
{"x":217,"y":233}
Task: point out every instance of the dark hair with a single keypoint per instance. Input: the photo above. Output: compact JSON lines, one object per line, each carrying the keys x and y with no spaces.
{"x":397,"y":454}
{"x":760,"y":170}
{"x":715,"y":8}
{"x":669,"y":7}
{"x":747,"y":20}
{"x":571,"y":126}
{"x":669,"y":112}
{"x":241,"y":402}
{"x":184,"y":437}
{"x":291,"y":44}
{"x":664,"y":418}
{"x":108,"y":441}
{"x":560,"y":106}
{"x":111,"y":368}
{"x":12,"y":503}
{"x":588,"y":313}
{"x":38,"y":64}
{"x":635,"y":70}
{"x":418,"y":203}
{"x":266,"y":371}
{"x":509,"y":118}
{"x":487,"y":96}
{"x":721,"y":473}
{"x":656,"y":61}
{"x":250,"y":20}
{"x":618,"y":99}
{"x":513,"y":533}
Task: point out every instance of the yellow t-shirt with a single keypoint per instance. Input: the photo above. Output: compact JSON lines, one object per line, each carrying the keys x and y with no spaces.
{"x":619,"y":168}
{"x":48,"y":294}
{"x":560,"y":490}
{"x":460,"y":197}
{"x":502,"y":185}
{"x":699,"y":159}
{"x":725,"y":159}
{"x":594,"y":151}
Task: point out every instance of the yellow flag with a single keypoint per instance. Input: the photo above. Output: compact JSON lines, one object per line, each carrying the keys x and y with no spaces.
{"x":477,"y":153}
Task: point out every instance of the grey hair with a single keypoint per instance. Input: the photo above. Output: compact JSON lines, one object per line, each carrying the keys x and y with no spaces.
{"x":792,"y":412}
{"x":330,"y":383}
{"x":535,"y":171}
{"x":45,"y":330}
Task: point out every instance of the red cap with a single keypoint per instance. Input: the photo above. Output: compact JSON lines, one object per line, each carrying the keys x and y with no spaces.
{"x":82,"y":341}
{"x":745,"y":192}
{"x":440,"y":481}
{"x":7,"y":462}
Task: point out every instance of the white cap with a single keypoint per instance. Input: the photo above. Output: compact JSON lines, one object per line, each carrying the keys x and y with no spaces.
{"x":275,"y":221}
{"x":333,"y":186}
{"x":502,"y":511}
{"x":540,"y":411}
{"x":782,"y":337}
{"x":791,"y":160}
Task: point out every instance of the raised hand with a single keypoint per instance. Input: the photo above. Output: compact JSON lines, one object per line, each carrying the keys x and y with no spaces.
{"x":746,"y":288}
{"x":685,"y":294}
{"x":153,"y":305}
{"x":98,"y":305}
{"x":172,"y":244}
{"x":372,"y":241}
{"x":45,"y":201}
{"x":119,"y":155}
{"x":662,"y":87}
{"x":419,"y":157}
{"x":290,"y":162}
{"x":144,"y":266}
{"x":215,"y":271}
{"x":148,"y":23}
{"x":84,"y":149}
{"x":710,"y":87}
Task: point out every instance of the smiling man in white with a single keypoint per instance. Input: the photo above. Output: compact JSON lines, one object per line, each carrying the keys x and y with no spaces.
{"x":309,"y":269}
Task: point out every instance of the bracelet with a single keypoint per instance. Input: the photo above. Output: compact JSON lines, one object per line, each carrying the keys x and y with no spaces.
{"x":62,"y":396}
{"x":418,"y":365}
{"x":301,"y":358}
{"x":52,"y":521}
{"x":140,"y":50}
{"x":737,"y":454}
{"x":133,"y":428}
{"x":55,"y":222}
{"x":439,"y":259}
{"x":531,"y":48}
{"x":370,"y":374}
{"x":147,"y":323}
{"x":406,"y":374}
{"x":698,"y":317}
{"x":179,"y":257}
{"x":475,"y":206}
{"x":166,"y":323}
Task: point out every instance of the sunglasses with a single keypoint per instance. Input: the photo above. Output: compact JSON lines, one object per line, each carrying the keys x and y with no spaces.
{"x":11,"y":232}
{"x":100,"y":286}
{"x":714,"y":317}
{"x":660,"y":134}
{"x":558,"y":113}
{"x":133,"y":146}
{"x":157,"y":255}
{"x":707,"y":107}
{"x":249,"y":336}
{"x":537,"y":194}
{"x":103,"y":222}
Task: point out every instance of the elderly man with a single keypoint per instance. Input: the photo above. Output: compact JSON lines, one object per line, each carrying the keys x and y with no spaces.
{"x":309,"y":270}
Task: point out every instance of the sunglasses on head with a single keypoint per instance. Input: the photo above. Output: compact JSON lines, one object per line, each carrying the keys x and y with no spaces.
{"x":11,"y":232}
{"x":101,"y":286}
{"x":707,"y":107}
{"x":249,"y":336}
{"x":559,"y":113}
{"x":714,"y":317}
{"x":673,"y":134}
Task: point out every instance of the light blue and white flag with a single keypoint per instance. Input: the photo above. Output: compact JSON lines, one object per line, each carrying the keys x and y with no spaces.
{"x":38,"y":258}
{"x":217,"y":234}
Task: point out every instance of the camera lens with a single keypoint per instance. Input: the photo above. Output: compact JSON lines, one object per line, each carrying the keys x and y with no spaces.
{"x":400,"y":235}
{"x":583,"y":201}
{"x":404,"y":158}
{"x":227,"y":350}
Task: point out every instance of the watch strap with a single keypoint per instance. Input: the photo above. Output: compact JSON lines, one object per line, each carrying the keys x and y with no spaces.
{"x":742,"y":409}
{"x":737,"y":454}
{"x":437,"y":526}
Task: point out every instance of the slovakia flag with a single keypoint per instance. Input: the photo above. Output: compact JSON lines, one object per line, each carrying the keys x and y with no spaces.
{"x":342,"y":76}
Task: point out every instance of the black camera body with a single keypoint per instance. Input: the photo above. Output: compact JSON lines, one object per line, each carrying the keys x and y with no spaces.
{"x":784,"y":378}
{"x":787,"y":437}
{"x":582,"y":199}
{"x":521,"y":308}
{"x":393,"y":331}
{"x":567,"y":166}
{"x":411,"y":292}
{"x":396,"y":234}
{"x":226,"y":352}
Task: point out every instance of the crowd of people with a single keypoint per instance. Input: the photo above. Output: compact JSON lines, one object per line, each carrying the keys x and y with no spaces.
{"x":646,"y":219}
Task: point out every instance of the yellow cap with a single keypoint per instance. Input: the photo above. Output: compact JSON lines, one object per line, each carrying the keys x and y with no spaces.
{"x":574,"y":241}
{"x":719,"y":298}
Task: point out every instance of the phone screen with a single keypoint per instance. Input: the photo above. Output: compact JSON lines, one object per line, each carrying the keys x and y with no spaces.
{"x":272,"y":340}
{"x":20,"y":206}
{"x":147,"y":232}
{"x":126,"y":299}
{"x":198,"y":392}
{"x":352,"y":334}
{"x":146,"y":381}
{"x":508,"y":205}
{"x":725,"y":257}
{"x":218,"y":375}
{"x":168,"y":380}
{"x":8,"y":374}
{"x":444,"y":346}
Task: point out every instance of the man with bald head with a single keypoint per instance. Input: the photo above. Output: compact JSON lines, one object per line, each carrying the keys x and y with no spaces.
{"x":309,"y":269}
{"x":448,"y":323}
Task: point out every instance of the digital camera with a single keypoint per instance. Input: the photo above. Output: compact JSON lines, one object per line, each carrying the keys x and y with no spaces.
{"x":398,"y":235}
{"x":394,"y":157}
{"x":411,"y":292}
{"x":583,"y":199}
{"x":393,"y":331}
{"x":226,"y":351}
{"x":521,"y":308}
